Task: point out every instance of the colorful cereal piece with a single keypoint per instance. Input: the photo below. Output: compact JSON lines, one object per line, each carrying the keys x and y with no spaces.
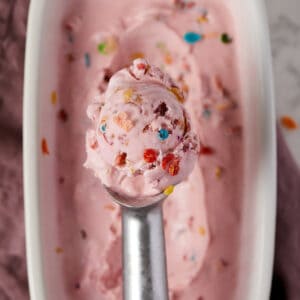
{"x":83,"y":234}
{"x":59,"y":250}
{"x":120,"y":160}
{"x":175,"y":90}
{"x":150,"y":155}
{"x":173,"y":169}
{"x":70,"y":57}
{"x":225,"y":38}
{"x":288,"y":123}
{"x":62,"y":115}
{"x":201,"y":230}
{"x":218,"y":172}
{"x":101,"y":48}
{"x":168,"y":59}
{"x":206,"y":150}
{"x":137,"y":55}
{"x":44,"y":146}
{"x":110,"y":207}
{"x":169,"y":190}
{"x":128,"y":94}
{"x":163,"y":134}
{"x":53,"y":97}
{"x":202,"y":19}
{"x":192,"y":37}
{"x":161,"y":109}
{"x":87,"y":60}
{"x":166,"y":160}
{"x":103,"y":127}
{"x":121,"y":119}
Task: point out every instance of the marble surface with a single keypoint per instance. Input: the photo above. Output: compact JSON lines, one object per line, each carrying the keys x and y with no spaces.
{"x":284,"y":20}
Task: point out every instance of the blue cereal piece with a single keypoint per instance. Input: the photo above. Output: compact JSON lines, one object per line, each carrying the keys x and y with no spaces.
{"x":87,"y":60}
{"x":192,"y":37}
{"x":163,"y":134}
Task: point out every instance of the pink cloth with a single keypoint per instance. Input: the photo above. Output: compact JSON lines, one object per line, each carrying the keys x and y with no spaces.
{"x":13,"y":279}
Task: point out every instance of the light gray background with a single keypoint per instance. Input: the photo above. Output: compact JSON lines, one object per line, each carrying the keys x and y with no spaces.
{"x":284,"y":20}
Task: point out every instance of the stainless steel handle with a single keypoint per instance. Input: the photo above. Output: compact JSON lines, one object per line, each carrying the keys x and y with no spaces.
{"x":144,"y":262}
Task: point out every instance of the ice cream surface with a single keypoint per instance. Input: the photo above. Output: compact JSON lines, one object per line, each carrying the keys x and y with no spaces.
{"x":142,"y":144}
{"x":195,"y":43}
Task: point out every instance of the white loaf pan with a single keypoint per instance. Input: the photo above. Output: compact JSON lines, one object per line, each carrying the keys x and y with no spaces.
{"x":45,"y":19}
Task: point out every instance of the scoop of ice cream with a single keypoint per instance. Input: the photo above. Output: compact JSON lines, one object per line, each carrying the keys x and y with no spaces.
{"x":142,"y":143}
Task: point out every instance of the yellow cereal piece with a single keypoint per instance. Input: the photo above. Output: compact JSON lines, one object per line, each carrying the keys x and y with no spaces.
{"x":202,"y":19}
{"x":53,"y":97}
{"x":177,"y":93}
{"x":128,"y":94}
{"x":169,"y":190}
{"x":104,"y":119}
{"x":111,"y":44}
{"x":202,"y":230}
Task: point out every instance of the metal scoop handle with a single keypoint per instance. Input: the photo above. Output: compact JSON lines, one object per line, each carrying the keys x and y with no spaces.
{"x":144,"y":262}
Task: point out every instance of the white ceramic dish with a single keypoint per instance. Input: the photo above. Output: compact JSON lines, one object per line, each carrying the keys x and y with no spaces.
{"x":260,"y":188}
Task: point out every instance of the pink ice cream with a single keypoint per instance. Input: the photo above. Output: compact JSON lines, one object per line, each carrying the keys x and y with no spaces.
{"x":195,"y":43}
{"x":141,"y":144}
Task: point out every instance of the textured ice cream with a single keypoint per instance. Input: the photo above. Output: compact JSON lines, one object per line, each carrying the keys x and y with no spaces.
{"x":194,"y":42}
{"x":142,"y":143}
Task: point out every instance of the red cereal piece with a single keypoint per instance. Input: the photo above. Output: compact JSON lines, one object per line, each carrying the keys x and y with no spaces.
{"x":113,"y":229}
{"x":94,"y":144}
{"x":62,"y":115}
{"x":150,"y":155}
{"x":70,"y":57}
{"x":44,"y":146}
{"x":121,"y":159}
{"x":166,"y":160}
{"x":141,"y":66}
{"x":174,"y":167}
{"x":288,"y":123}
{"x":170,"y":163}
{"x":206,"y":150}
{"x":61,"y":180}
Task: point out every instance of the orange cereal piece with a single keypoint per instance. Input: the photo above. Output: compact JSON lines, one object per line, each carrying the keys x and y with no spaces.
{"x":121,"y":159}
{"x":168,"y":59}
{"x":288,"y":123}
{"x":59,"y":250}
{"x":137,"y":55}
{"x":53,"y":97}
{"x":110,"y":207}
{"x":44,"y":146}
{"x":202,"y":231}
{"x":218,"y":172}
{"x":202,"y":19}
{"x":121,"y":119}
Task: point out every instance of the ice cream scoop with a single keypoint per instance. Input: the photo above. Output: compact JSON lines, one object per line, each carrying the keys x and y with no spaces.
{"x":141,"y":147}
